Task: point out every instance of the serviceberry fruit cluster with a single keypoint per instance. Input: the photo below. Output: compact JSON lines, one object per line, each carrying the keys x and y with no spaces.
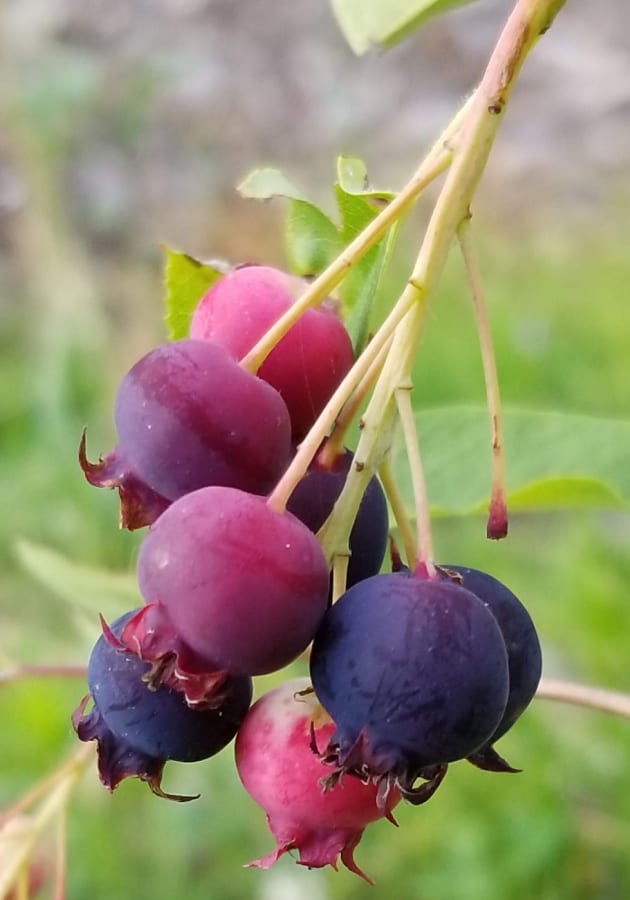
{"x":410,"y":670}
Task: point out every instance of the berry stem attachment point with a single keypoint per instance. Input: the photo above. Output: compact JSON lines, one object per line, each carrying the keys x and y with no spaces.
{"x":424,"y":552}
{"x":497,"y":527}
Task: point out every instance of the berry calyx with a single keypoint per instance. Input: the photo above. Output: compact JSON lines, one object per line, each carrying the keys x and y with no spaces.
{"x":138,"y":727}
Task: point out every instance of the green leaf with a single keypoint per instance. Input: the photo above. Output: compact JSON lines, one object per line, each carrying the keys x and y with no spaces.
{"x":312,"y":240}
{"x":264,"y":184}
{"x":553,"y":460}
{"x":372,"y":23}
{"x":85,"y":589}
{"x":358,"y":204}
{"x":187,"y":279}
{"x":352,"y":178}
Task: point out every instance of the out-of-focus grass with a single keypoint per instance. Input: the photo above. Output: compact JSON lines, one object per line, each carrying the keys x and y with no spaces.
{"x":559,"y":830}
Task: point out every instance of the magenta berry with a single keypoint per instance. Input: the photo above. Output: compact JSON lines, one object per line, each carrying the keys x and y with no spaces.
{"x":139,"y":728}
{"x":312,"y":502}
{"x":243,"y":586}
{"x":414,"y":674}
{"x":280,"y":771}
{"x":188,"y":416}
{"x":307,"y":364}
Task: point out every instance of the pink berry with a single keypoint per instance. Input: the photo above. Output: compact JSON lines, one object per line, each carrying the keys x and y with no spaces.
{"x":279,"y":768}
{"x":243,"y":586}
{"x":306,"y":365}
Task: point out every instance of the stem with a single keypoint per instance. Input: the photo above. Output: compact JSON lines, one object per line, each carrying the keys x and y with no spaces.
{"x":41,"y":671}
{"x":497,"y":517}
{"x":335,"y":443}
{"x":340,"y":575}
{"x":63,"y":782}
{"x":529,"y":19}
{"x":583,"y":695}
{"x":437,"y":160}
{"x":61,"y":855}
{"x":401,"y":518}
{"x":424,"y":554}
{"x":310,"y":445}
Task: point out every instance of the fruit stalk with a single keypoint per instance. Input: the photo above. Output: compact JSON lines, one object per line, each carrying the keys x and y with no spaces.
{"x":528,"y":21}
{"x":497,"y":516}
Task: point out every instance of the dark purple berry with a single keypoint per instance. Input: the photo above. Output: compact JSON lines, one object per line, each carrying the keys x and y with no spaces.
{"x":188,"y":416}
{"x":414,"y":674}
{"x":139,"y":728}
{"x":312,"y":502}
{"x":519,"y":634}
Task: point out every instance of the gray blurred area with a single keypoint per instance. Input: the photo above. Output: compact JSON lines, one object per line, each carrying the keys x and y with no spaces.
{"x":131,"y":122}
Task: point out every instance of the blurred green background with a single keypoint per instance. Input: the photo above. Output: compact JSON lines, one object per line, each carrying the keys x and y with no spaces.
{"x":126,"y":126}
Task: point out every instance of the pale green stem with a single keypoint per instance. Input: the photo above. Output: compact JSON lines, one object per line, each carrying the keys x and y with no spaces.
{"x":335,"y":443}
{"x":56,"y":800}
{"x":401,"y":518}
{"x":529,"y":19}
{"x":424,"y":552}
{"x":583,"y":695}
{"x":340,"y":575}
{"x":497,"y":517}
{"x":310,"y":445}
{"x":61,"y":855}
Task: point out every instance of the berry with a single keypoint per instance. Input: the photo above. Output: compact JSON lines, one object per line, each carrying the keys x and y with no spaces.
{"x":414,"y":674}
{"x":243,"y":586}
{"x":188,"y":416}
{"x":312,"y":502}
{"x":306,"y":365}
{"x":280,"y":771}
{"x":138,"y":728}
{"x":519,"y":634}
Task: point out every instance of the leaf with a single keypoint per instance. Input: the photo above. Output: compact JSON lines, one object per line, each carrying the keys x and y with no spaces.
{"x":312,"y":240}
{"x":553,"y":460}
{"x":358,"y":205}
{"x":187,"y":279}
{"x":372,"y":23}
{"x":352,"y":178}
{"x":87,"y":590}
{"x":264,"y":184}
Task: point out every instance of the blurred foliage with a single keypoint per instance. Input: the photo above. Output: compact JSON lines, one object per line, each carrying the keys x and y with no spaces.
{"x":75,"y":311}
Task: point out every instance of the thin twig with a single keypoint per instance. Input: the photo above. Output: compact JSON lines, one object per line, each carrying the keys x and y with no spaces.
{"x":584,"y":695}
